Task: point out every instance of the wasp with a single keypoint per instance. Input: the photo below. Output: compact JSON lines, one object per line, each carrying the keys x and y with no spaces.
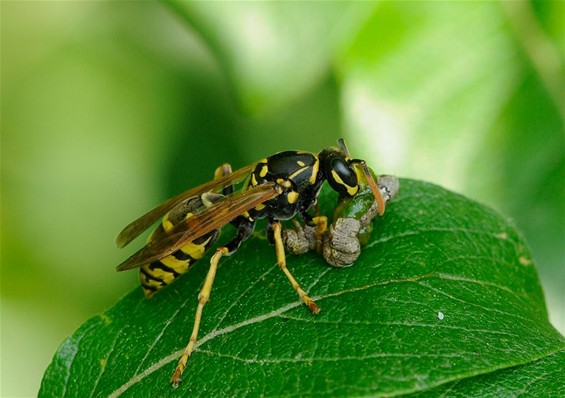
{"x":275,"y":188}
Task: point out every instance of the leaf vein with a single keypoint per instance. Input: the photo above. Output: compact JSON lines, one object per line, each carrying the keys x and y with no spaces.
{"x":103,"y":367}
{"x":471,"y":303}
{"x":333,"y":359}
{"x":161,"y":332}
{"x":407,"y":324}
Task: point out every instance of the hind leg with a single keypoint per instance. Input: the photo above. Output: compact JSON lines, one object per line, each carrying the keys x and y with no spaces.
{"x":244,"y":230}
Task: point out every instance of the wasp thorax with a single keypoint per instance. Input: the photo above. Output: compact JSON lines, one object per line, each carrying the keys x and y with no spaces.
{"x":339,"y":171}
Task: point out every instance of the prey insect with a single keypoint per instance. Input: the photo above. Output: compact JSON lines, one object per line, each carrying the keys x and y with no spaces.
{"x":275,"y":188}
{"x":351,"y":227}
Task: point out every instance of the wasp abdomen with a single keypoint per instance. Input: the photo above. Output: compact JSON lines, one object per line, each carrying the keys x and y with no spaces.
{"x":158,"y":274}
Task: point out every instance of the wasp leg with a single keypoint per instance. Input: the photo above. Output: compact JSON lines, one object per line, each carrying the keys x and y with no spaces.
{"x":223,"y":171}
{"x":203,"y":297}
{"x":245,"y":229}
{"x":281,"y":260}
{"x":321,"y":224}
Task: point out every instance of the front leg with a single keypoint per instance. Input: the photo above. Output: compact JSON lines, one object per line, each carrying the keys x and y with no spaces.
{"x":275,"y":227}
{"x":321,"y":224}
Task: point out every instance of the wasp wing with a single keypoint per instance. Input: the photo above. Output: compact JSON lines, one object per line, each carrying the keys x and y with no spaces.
{"x":134,"y":229}
{"x":209,"y":219}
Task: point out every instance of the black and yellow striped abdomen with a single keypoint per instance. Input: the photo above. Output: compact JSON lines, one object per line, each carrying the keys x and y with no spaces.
{"x":160,"y":273}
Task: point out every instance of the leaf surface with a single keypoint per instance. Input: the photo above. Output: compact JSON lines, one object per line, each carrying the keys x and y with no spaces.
{"x":541,"y":378}
{"x":443,"y":298}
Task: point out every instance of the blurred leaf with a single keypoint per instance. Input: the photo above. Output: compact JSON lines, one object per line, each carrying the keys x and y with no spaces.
{"x":418,"y":82}
{"x":445,"y":294}
{"x":451,"y":92}
{"x":213,"y":132}
{"x":273,"y":52}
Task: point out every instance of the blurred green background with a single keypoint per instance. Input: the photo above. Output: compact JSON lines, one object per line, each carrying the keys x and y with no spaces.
{"x":108,"y":108}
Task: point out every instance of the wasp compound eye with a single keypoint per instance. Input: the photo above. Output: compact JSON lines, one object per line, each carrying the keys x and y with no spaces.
{"x":342,"y":177}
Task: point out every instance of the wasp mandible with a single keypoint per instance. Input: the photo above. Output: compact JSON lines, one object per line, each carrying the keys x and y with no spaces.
{"x":276,"y":188}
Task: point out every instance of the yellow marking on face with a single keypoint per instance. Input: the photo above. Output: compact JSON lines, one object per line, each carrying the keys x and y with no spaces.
{"x":292,"y":197}
{"x":360,"y":174}
{"x":353,"y":190}
{"x":264,"y":170}
{"x":253,"y":180}
{"x":315,"y":168}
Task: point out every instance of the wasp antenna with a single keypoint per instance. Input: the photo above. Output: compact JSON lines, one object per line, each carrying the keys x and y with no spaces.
{"x":343,"y":146}
{"x":374,"y":188}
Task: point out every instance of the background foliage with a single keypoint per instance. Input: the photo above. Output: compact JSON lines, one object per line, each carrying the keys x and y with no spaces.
{"x":108,"y":108}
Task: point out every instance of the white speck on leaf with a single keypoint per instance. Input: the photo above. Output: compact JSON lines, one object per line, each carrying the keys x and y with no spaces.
{"x":525,"y":261}
{"x":440,"y":315}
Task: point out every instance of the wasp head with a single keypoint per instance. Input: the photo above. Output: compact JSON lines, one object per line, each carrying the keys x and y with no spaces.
{"x":343,"y":173}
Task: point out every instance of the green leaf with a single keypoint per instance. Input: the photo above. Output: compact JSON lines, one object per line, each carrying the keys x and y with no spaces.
{"x":541,"y":378}
{"x":444,"y":297}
